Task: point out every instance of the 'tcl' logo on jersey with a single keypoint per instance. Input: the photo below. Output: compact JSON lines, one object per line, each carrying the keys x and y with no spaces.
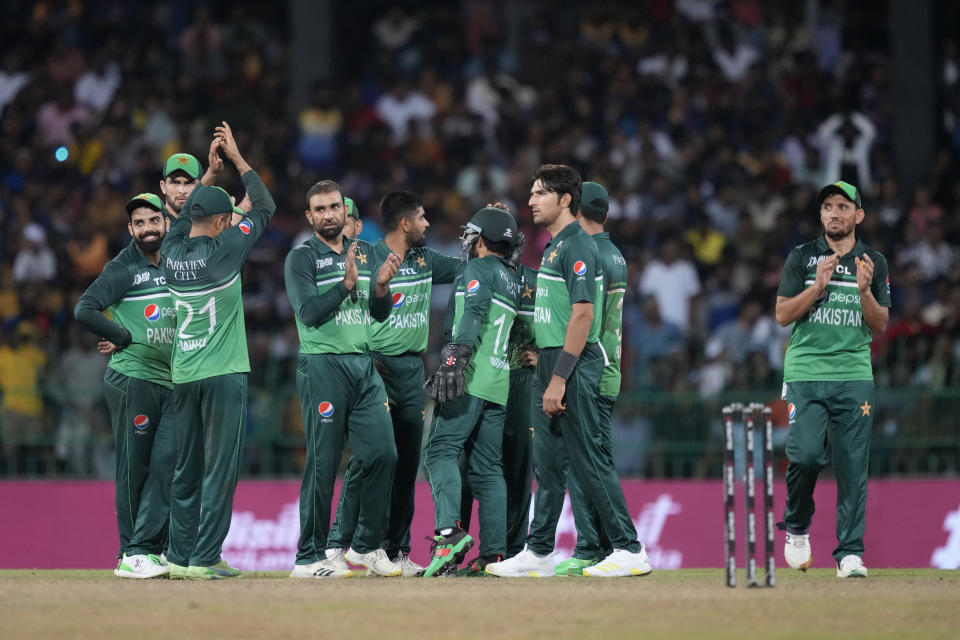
{"x":579,"y":268}
{"x":151,"y":312}
{"x":325,"y":409}
{"x":245,"y":227}
{"x":473,"y":287}
{"x":791,"y":411}
{"x":141,"y":422}
{"x":398,"y":299}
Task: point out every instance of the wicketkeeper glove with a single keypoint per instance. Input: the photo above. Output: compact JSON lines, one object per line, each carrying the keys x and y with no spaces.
{"x":517,"y":253}
{"x":448,"y":382}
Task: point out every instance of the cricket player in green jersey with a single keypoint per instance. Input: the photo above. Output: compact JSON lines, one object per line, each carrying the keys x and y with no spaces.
{"x":397,"y":346}
{"x":181,"y":175}
{"x":836,"y":292}
{"x":567,"y":324}
{"x":138,"y":335}
{"x":336,"y":294}
{"x":354,"y":225}
{"x":517,"y":425}
{"x":471,"y":388}
{"x":202,"y":258}
{"x":592,"y":544}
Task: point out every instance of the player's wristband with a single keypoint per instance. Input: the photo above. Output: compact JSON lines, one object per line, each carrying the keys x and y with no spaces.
{"x":565,"y":364}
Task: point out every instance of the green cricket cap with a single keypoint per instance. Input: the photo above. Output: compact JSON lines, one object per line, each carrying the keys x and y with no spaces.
{"x":351,"y":208}
{"x":149,"y":200}
{"x":844,"y":189}
{"x":210,"y":201}
{"x":594,"y":199}
{"x":494,"y":225}
{"x":182,"y":162}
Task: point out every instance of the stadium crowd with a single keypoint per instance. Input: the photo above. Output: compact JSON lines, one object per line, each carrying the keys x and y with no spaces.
{"x":712,"y":124}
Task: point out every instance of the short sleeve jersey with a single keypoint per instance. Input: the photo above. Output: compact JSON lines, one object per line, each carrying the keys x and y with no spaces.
{"x":203,"y":275}
{"x":134,"y":294}
{"x":489,"y":292}
{"x":611,"y":333}
{"x":521,"y":337}
{"x":347,"y":327}
{"x":570,"y":272}
{"x":407,"y":327}
{"x":831,"y":341}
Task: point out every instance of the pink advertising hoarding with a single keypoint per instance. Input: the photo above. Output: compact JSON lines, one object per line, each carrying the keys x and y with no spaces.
{"x":909,"y":524}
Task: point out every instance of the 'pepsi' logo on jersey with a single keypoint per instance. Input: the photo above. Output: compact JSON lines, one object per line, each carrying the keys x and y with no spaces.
{"x":398,"y":299}
{"x":151,"y":312}
{"x":579,"y":267}
{"x":141,"y":422}
{"x":325,"y":409}
{"x":473,"y":287}
{"x":245,"y":227}
{"x":791,"y":410}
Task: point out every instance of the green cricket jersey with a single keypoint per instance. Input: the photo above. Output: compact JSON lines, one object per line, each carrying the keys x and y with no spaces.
{"x":486,"y":301}
{"x":614,"y":288}
{"x":521,"y":336}
{"x":329,"y":319}
{"x":141,"y":317}
{"x":831,"y":342}
{"x":569,"y":272}
{"x":203,"y":275}
{"x":407,"y":327}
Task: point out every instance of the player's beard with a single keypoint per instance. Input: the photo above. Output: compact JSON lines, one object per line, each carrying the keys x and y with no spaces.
{"x":472,"y":251}
{"x":836,"y":236}
{"x":329,"y":232}
{"x":418,"y":242}
{"x":149,"y":242}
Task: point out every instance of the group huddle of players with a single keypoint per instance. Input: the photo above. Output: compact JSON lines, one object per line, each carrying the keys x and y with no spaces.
{"x":528,"y":378}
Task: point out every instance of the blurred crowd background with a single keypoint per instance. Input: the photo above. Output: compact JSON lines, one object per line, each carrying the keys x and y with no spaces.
{"x":712,"y":124}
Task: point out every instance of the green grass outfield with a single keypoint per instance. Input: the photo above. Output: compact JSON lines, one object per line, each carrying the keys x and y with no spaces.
{"x":691,"y":603}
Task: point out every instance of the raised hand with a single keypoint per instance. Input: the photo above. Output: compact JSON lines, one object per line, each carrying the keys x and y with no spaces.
{"x":864,"y":272}
{"x":350,"y":275}
{"x":387,"y":270}
{"x":825,"y":270}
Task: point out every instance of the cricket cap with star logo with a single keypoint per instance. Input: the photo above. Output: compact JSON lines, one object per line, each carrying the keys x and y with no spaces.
{"x":182,"y":162}
{"x":841,"y":188}
{"x":494,"y":225}
{"x":149,"y":200}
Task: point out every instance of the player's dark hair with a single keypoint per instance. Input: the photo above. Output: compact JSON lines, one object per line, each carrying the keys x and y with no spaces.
{"x":561,"y":179}
{"x":324,"y":186}
{"x":593,"y":215}
{"x":502,"y":248}
{"x":396,"y":206}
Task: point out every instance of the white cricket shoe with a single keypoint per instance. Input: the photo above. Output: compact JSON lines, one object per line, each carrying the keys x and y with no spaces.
{"x":376,"y":562}
{"x":851,"y":567}
{"x":796,"y":551}
{"x":409,"y":568}
{"x":525,"y":564}
{"x":321,"y":569}
{"x":336,"y":556}
{"x":619,"y":564}
{"x":140,"y":566}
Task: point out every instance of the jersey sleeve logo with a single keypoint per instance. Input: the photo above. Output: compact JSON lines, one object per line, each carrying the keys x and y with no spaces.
{"x":325,"y":409}
{"x":151,"y":312}
{"x":398,"y":299}
{"x":579,"y":267}
{"x":245,"y":227}
{"x":473,"y":287}
{"x":141,"y":422}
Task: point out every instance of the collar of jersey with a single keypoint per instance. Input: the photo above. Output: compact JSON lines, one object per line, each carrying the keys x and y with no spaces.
{"x":568,"y":230}
{"x":325,"y":248}
{"x":823,"y":247}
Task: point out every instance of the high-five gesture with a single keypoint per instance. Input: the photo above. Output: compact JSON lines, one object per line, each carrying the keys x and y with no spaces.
{"x":228,"y":145}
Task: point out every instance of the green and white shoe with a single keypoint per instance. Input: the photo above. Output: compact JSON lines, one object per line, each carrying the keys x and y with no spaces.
{"x":140,"y":566}
{"x":223,"y":566}
{"x":573,"y":566}
{"x":851,"y":566}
